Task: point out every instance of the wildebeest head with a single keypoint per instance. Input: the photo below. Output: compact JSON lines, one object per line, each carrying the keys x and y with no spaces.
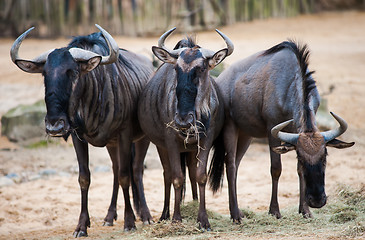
{"x":311,"y":153}
{"x":193,"y":83}
{"x":61,"y":69}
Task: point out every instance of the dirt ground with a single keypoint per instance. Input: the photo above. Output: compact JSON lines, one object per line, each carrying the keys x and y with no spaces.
{"x":49,"y":206}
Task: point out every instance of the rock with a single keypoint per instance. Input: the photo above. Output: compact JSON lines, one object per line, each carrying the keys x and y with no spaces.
{"x":24,"y":122}
{"x":102,"y":168}
{"x":34,"y":177}
{"x":14,"y":177}
{"x":5,"y":181}
{"x":324,"y":119}
{"x":48,"y":172}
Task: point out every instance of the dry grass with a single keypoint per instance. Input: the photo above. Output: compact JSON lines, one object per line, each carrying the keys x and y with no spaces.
{"x":342,"y":218}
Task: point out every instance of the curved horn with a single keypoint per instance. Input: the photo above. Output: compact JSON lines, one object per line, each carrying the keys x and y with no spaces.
{"x":209,"y":53}
{"x":14,"y":51}
{"x":228,"y":41}
{"x":332,"y":134}
{"x":291,"y":138}
{"x":161,"y":43}
{"x":80,"y":54}
{"x":113,"y":47}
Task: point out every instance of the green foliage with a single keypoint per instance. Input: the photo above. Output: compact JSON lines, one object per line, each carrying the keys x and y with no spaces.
{"x":42,"y":144}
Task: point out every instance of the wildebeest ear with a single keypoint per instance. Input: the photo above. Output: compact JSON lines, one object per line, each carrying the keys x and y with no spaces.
{"x":164,"y":55}
{"x":90,"y":64}
{"x":284,"y":148}
{"x":339,"y":144}
{"x":29,"y":66}
{"x":217,"y":58}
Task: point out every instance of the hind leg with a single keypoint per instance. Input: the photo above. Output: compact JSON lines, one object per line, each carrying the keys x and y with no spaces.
{"x":124,"y":144}
{"x":230,"y":144}
{"x":112,"y":211}
{"x":167,"y":183}
{"x":243,"y":143}
{"x":191,"y":163}
{"x":142,"y":208}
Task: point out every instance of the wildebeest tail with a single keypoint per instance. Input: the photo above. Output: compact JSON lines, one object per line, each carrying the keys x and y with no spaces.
{"x":136,"y":199}
{"x":216,"y":169}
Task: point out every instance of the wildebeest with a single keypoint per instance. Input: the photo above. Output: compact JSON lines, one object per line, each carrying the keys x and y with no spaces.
{"x":262,"y":92}
{"x":180,"y":110}
{"x":91,"y":93}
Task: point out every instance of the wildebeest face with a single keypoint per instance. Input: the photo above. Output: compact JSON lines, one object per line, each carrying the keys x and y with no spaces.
{"x":193,"y":83}
{"x":61,"y":69}
{"x":191,"y":72}
{"x":311,"y":152}
{"x":61,"y":73}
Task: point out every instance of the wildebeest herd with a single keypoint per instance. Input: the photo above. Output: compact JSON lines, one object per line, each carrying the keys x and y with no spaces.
{"x":106,"y":96}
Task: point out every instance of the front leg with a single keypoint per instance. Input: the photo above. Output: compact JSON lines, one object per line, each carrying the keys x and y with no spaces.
{"x":303,"y":206}
{"x":82,"y":154}
{"x":201,"y":177}
{"x":275,"y":175}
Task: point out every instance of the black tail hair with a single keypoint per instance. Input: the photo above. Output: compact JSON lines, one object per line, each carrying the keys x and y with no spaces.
{"x":216,"y":169}
{"x":136,"y":200}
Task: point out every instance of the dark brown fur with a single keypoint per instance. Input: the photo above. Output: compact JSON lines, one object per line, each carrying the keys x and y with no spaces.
{"x":259,"y":92}
{"x":161,"y":121}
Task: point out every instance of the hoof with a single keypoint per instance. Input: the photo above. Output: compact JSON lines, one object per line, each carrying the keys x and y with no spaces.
{"x":148,"y":222}
{"x":307,"y":215}
{"x":236,"y":221}
{"x":108,"y":224}
{"x":79,"y":234}
{"x":130,"y":229}
{"x":204,"y":229}
{"x":275,"y":214}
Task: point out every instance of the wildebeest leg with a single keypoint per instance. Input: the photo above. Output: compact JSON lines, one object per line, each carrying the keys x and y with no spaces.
{"x":191,"y":161}
{"x":167,"y":182}
{"x":230,"y":144}
{"x":303,"y":206}
{"x":243,"y":143}
{"x":112,"y":211}
{"x":124,"y":149}
{"x":141,"y":150}
{"x":177,"y":178}
{"x":275,"y":175}
{"x":82,"y":154}
{"x":201,"y":177}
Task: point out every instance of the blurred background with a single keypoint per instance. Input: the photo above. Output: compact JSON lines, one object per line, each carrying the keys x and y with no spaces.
{"x":54,"y":18}
{"x":39,"y":193}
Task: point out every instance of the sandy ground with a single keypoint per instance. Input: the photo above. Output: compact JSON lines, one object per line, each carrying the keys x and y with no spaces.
{"x":49,"y":206}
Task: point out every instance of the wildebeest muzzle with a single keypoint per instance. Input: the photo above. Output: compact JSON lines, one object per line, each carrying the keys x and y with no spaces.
{"x":57,"y":127}
{"x":185,"y":121}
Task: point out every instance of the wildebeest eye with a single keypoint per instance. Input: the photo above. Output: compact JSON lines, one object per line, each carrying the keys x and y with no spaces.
{"x":72,"y":74}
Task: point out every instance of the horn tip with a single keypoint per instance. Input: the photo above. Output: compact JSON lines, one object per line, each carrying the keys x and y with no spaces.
{"x":99,"y":27}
